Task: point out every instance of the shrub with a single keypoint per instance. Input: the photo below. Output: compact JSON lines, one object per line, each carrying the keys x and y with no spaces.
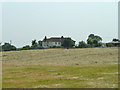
{"x":54,"y":47}
{"x":68,"y":43}
{"x":109,"y":45}
{"x":27,"y":47}
{"x":82,"y":44}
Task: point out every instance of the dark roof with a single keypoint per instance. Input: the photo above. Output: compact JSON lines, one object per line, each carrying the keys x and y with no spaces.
{"x":114,"y":42}
{"x":54,"y":39}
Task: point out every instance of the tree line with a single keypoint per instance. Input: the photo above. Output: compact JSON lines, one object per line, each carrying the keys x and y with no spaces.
{"x":92,"y":41}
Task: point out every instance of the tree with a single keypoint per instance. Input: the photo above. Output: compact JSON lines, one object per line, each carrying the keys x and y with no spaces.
{"x":89,"y":41}
{"x":98,"y":38}
{"x":8,"y":47}
{"x":94,"y":40}
{"x":91,"y":36}
{"x":0,"y":46}
{"x":82,"y":44}
{"x":34,"y":42}
{"x":114,"y":39}
{"x":68,"y":43}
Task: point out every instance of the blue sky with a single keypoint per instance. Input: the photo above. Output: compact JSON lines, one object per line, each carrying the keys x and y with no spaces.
{"x":23,"y":22}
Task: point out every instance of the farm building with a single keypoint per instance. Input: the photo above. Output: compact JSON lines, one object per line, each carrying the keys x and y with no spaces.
{"x":53,"y":41}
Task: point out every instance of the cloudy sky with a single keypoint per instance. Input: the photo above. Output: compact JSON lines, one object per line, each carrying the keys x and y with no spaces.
{"x":23,"y":22}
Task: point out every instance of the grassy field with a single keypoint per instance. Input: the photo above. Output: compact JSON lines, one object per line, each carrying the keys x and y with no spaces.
{"x":61,"y":68}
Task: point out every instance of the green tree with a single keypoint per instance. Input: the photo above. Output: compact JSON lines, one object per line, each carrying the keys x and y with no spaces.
{"x":68,"y":43}
{"x":8,"y":47}
{"x":34,"y":42}
{"x":91,"y":36}
{"x":94,"y":40}
{"x":89,"y":41}
{"x":82,"y":44}
{"x":98,"y":38}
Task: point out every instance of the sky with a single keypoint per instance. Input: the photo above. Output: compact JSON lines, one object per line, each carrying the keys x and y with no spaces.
{"x":23,"y":22}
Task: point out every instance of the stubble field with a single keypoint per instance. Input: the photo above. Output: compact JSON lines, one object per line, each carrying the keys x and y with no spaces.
{"x":60,"y":68}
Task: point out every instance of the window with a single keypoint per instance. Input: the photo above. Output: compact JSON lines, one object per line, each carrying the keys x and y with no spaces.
{"x":59,"y":43}
{"x":55,"y":42}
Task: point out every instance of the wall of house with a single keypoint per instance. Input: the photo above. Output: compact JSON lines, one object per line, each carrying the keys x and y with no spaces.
{"x":50,"y":44}
{"x":44,"y":44}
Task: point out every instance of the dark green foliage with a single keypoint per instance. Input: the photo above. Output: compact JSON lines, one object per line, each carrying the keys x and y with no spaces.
{"x":54,"y":47}
{"x":94,"y":40}
{"x":35,"y":45}
{"x":109,"y":45}
{"x":82,"y":44}
{"x":0,"y":48}
{"x":34,"y":42}
{"x":98,"y":38}
{"x":114,"y":39}
{"x":27,"y":47}
{"x":40,"y":43}
{"x":67,"y":43}
{"x":89,"y":41}
{"x":92,"y":36}
{"x":8,"y":47}
{"x":88,"y":46}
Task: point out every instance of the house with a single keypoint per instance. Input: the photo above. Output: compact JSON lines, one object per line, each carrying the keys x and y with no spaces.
{"x":114,"y":43}
{"x":53,"y":41}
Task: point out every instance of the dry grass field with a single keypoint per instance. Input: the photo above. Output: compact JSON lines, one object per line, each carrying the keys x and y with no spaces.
{"x":61,"y":68}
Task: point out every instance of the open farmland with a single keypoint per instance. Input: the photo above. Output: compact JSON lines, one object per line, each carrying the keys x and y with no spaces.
{"x":61,"y":68}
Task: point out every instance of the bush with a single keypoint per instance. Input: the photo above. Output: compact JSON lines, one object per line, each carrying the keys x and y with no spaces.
{"x":82,"y":44}
{"x":109,"y":45}
{"x":54,"y":47}
{"x":27,"y":47}
{"x":68,"y":43}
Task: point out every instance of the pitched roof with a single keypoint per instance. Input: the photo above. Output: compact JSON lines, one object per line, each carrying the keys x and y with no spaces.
{"x":54,"y":39}
{"x":114,"y":42}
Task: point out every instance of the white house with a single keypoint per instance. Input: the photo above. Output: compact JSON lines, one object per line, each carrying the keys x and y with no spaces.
{"x":53,"y":41}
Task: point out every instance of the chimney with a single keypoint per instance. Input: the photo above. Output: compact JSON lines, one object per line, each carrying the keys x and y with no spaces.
{"x":45,"y":38}
{"x":62,"y":37}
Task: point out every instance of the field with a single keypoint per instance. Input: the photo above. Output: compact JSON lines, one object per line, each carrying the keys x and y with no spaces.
{"x":61,"y":68}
